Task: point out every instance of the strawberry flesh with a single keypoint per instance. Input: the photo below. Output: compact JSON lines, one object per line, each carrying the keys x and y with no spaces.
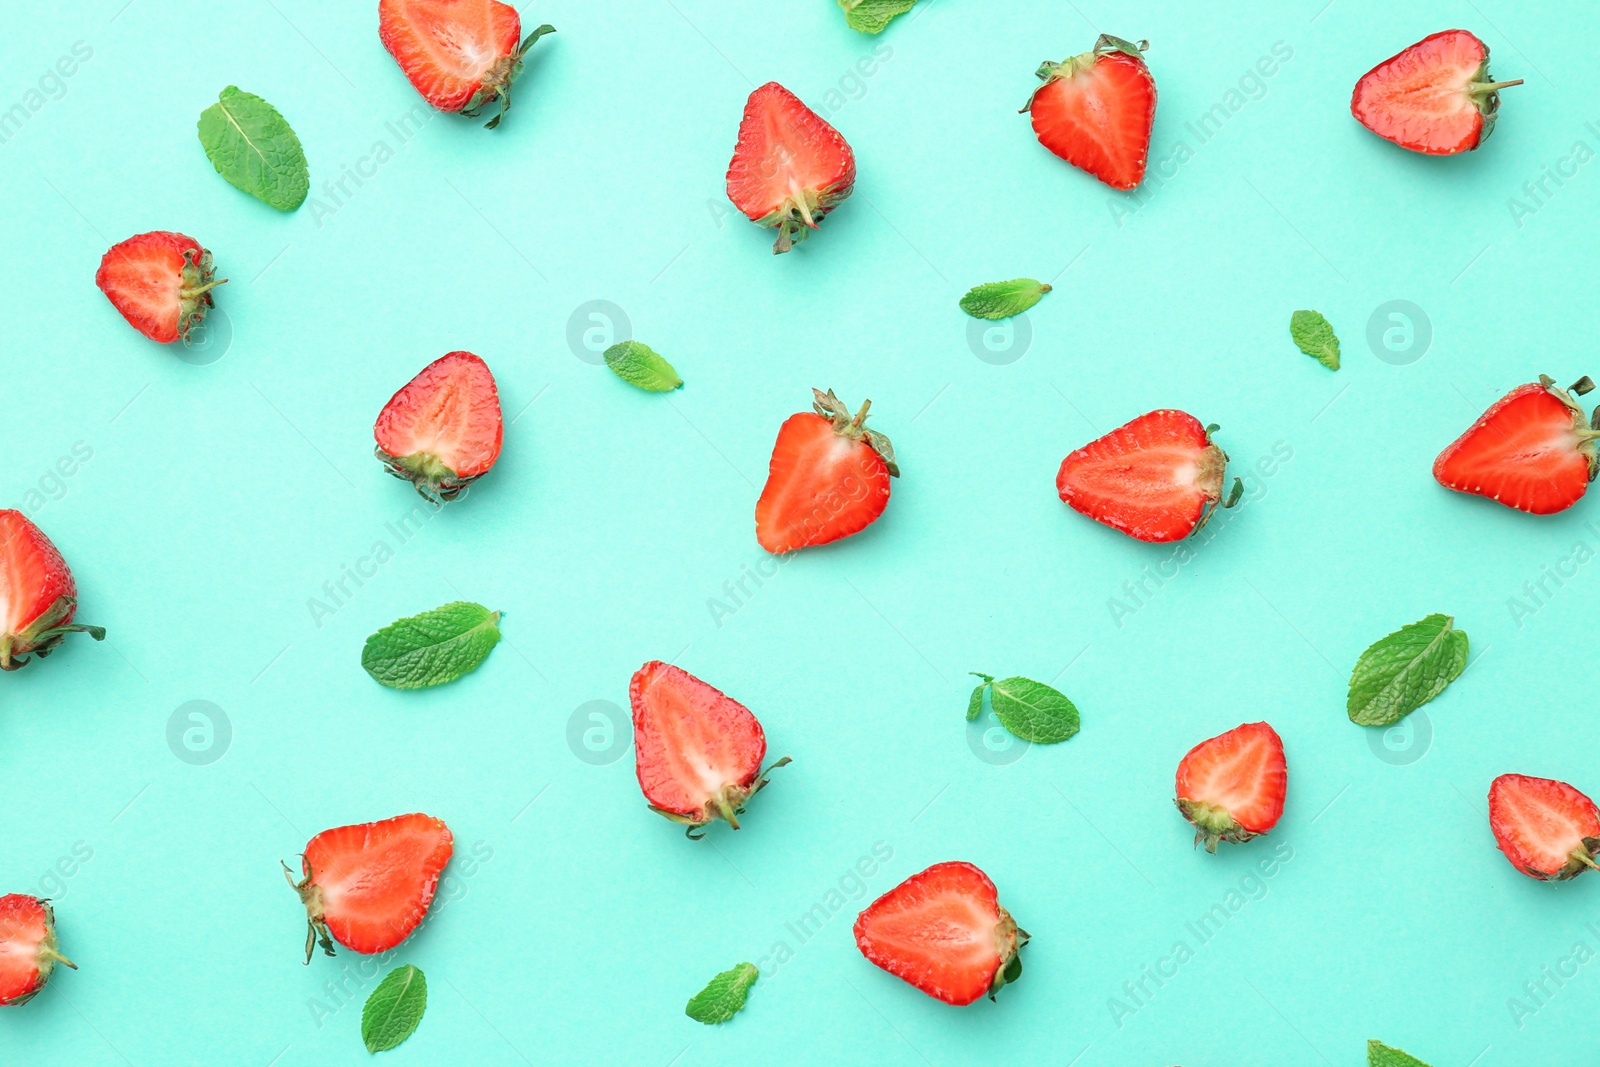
{"x":1434,"y":97}
{"x":790,"y":167}
{"x":1533,"y":451}
{"x":443,"y":430}
{"x":459,"y":54}
{"x":160,"y":281}
{"x":368,"y":886}
{"x":38,"y":596}
{"x":1154,"y":479}
{"x":28,"y":952}
{"x":828,"y":477}
{"x":943,"y":931}
{"x":1547,"y":829}
{"x":1232,"y":787}
{"x":1097,"y":111}
{"x":698,"y":750}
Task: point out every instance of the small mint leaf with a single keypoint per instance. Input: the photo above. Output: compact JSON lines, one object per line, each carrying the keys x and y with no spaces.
{"x":1001,"y":300}
{"x":435,"y":647}
{"x":1033,"y":711}
{"x":1381,"y":1055}
{"x":724,"y":996}
{"x":254,"y":149}
{"x":639,"y":365}
{"x":975,"y":705}
{"x":394,"y":1009}
{"x":873,"y":16}
{"x":1314,"y":336}
{"x":1402,"y":672}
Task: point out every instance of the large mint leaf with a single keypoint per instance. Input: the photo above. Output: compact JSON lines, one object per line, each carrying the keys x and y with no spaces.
{"x":1405,"y":670}
{"x":435,"y":647}
{"x":872,"y":16}
{"x":1381,"y":1055}
{"x":1001,"y":300}
{"x":252,"y":146}
{"x":394,"y":1009}
{"x":1314,"y":336}
{"x":724,"y":996}
{"x":638,"y":364}
{"x":1031,"y":710}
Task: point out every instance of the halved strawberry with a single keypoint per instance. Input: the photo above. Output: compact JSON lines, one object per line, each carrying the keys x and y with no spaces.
{"x":1158,"y":478}
{"x":28,"y":953}
{"x":1533,"y":450}
{"x":1434,"y":97}
{"x":38,"y":597}
{"x":369,"y":885}
{"x":442,"y":431}
{"x":1547,"y":829}
{"x":829,"y":477}
{"x":943,"y":930}
{"x":161,"y":282}
{"x":459,"y":54}
{"x":698,"y":751}
{"x":1232,"y":786}
{"x":1096,"y":110}
{"x":790,"y":168}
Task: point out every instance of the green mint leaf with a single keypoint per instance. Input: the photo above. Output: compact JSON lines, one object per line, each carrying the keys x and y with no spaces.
{"x":1381,"y":1055}
{"x":1033,"y":711}
{"x":1405,"y":670}
{"x":1314,"y":336}
{"x":394,"y":1009}
{"x":975,"y":705}
{"x":1001,"y":300}
{"x":253,"y":148}
{"x":723,"y":997}
{"x":435,"y":647}
{"x":871,"y":16}
{"x":639,"y":365}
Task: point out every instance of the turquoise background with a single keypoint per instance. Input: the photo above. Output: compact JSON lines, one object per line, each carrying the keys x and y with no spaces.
{"x":222,"y":492}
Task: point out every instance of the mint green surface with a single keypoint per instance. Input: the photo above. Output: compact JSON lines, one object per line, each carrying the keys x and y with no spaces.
{"x":218,"y":498}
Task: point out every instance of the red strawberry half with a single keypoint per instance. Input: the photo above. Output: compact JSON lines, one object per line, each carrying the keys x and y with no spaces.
{"x":28,"y":953}
{"x":790,"y":168}
{"x":461,"y":55}
{"x":1435,"y":97}
{"x":37,"y":594}
{"x":368,"y":886}
{"x":944,"y":931}
{"x":1547,"y":829}
{"x":1232,"y":786}
{"x":1096,"y":111}
{"x":160,"y":281}
{"x":829,"y":477}
{"x":1156,"y":479}
{"x":698,"y":751}
{"x":1533,"y":450}
{"x":442,"y":431}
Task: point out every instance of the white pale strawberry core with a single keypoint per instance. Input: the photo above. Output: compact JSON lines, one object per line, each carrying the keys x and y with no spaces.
{"x":701,"y":770}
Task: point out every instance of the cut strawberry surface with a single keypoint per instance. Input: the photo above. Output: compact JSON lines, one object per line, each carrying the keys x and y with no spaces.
{"x":1232,"y":787}
{"x":443,"y":430}
{"x":161,"y":282}
{"x":1533,"y":450}
{"x":38,"y":596}
{"x":1547,"y":829}
{"x":459,"y":54}
{"x":943,"y":931}
{"x":28,"y":950}
{"x":698,"y":750}
{"x":1435,"y":97}
{"x":789,"y":168}
{"x":1155,"y":479}
{"x":368,"y":886}
{"x":828,"y":477}
{"x":1097,"y":110}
